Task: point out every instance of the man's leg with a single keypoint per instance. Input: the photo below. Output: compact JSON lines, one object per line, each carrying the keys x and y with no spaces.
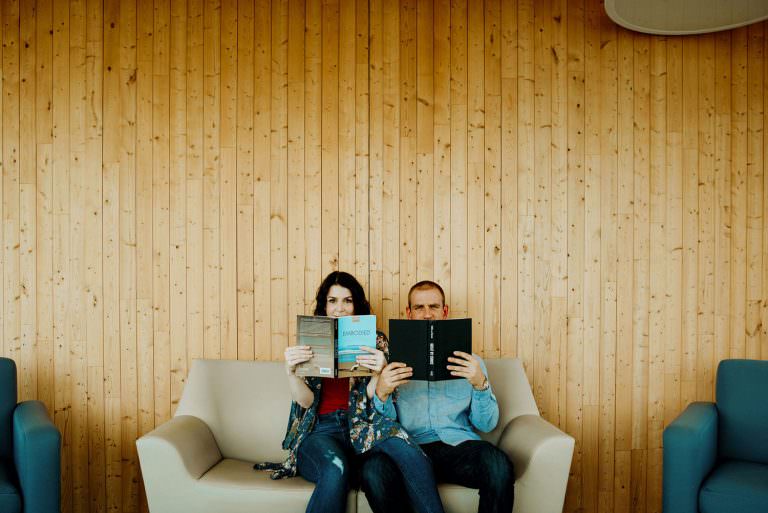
{"x":417,"y":472}
{"x":476,"y":464}
{"x":382,"y":482}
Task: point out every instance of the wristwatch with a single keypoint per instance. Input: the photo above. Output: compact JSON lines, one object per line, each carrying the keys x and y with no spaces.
{"x":485,"y":386}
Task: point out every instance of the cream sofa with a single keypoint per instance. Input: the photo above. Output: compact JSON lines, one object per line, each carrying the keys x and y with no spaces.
{"x":233,"y":413}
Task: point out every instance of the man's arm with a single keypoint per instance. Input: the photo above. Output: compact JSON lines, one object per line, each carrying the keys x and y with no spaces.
{"x":391,"y":377}
{"x":386,"y":407}
{"x":483,"y":410}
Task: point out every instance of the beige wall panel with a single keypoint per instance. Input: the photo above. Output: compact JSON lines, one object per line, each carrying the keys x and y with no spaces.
{"x":179,"y":175}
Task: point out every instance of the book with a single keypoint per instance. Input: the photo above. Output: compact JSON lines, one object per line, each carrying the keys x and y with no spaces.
{"x":425,"y":345}
{"x":335,"y":344}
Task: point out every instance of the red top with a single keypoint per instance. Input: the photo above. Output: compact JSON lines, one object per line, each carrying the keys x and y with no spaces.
{"x":334,"y":395}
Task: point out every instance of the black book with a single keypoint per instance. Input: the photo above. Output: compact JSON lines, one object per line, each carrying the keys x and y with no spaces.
{"x":426,"y":345}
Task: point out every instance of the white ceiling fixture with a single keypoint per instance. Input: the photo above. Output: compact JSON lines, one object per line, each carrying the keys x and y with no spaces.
{"x":680,"y":17}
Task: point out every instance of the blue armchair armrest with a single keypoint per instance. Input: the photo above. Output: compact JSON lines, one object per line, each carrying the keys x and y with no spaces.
{"x":690,"y":451}
{"x":37,"y":454}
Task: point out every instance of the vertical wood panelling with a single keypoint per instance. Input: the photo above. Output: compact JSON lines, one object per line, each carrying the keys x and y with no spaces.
{"x":261,"y":180}
{"x":346,"y":187}
{"x":27,"y":248}
{"x":228,"y":180}
{"x":608,"y":251}
{"x":296,"y":164}
{"x":278,"y":182}
{"x":405,"y":171}
{"x":127,"y":256}
{"x":245,"y":171}
{"x":111,"y":260}
{"x":179,"y":175}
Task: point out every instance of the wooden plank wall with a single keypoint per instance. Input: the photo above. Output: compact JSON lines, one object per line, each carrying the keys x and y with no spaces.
{"x":178,"y":176}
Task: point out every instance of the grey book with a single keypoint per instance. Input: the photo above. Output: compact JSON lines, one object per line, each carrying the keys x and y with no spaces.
{"x":336,"y":343}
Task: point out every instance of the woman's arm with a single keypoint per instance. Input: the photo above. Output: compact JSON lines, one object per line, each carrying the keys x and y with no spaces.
{"x":371,"y":388}
{"x":375,"y":360}
{"x":300,"y":392}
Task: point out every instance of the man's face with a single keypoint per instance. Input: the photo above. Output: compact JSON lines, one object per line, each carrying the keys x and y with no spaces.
{"x":427,"y":304}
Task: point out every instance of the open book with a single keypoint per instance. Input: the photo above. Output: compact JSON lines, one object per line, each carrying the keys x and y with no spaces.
{"x":426,"y":345}
{"x":335,"y":344}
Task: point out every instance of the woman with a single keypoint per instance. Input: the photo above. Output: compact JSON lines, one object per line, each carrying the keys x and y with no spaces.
{"x":333,"y":422}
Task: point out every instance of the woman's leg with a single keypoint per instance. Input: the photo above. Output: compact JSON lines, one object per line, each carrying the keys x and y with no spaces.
{"x":417,"y":473}
{"x":322,"y":458}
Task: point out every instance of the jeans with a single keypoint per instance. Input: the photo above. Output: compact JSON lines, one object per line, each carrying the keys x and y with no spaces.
{"x":416,"y":472}
{"x":326,"y":457}
{"x":474,"y":464}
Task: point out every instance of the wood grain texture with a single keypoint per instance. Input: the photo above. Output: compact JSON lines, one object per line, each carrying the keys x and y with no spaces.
{"x":179,"y":175}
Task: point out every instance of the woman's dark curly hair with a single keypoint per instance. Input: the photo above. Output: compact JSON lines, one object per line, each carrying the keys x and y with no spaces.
{"x":346,"y":280}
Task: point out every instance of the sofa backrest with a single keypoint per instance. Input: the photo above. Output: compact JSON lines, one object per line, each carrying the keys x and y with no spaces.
{"x":742,"y":405}
{"x":7,"y":405}
{"x":246,"y":403}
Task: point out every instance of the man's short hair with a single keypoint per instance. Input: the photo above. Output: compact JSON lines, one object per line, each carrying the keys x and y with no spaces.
{"x":426,"y":285}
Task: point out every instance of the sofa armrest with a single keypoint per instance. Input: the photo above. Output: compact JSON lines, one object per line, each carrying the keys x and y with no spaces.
{"x":690,"y":451}
{"x":541,"y":455}
{"x":37,"y":455}
{"x":172,"y":458}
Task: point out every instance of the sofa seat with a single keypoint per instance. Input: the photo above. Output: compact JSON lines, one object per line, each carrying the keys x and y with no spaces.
{"x":456,"y":499}
{"x":735,"y":486}
{"x":236,"y":487}
{"x":10,"y":500}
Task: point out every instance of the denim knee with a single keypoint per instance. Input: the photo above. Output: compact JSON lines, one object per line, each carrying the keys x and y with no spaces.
{"x":378,"y":474}
{"x":501,"y":475}
{"x":335,"y":470}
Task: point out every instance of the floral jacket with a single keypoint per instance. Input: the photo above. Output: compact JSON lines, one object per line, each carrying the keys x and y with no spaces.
{"x":367,"y":427}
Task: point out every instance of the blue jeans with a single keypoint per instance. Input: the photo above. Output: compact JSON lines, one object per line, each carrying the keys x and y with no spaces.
{"x":326,"y":457}
{"x":474,"y":464}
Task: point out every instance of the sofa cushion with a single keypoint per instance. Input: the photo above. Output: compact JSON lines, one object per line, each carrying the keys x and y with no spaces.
{"x":742,"y":386}
{"x":455,"y":498}
{"x":735,"y":486}
{"x":10,"y":500}
{"x":233,"y":486}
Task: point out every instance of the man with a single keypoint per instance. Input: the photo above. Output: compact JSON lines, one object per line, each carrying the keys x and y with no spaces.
{"x":442,"y":417}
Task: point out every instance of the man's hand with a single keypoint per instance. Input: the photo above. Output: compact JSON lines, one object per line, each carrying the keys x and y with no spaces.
{"x":374,"y":360}
{"x":392,"y":376}
{"x":467,"y":366}
{"x":294,"y":355}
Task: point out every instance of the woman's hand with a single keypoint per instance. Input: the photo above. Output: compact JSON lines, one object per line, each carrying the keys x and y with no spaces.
{"x":294,"y":355}
{"x":374,"y":360}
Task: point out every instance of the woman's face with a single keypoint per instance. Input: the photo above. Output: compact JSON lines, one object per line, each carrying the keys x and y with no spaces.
{"x":339,"y":302}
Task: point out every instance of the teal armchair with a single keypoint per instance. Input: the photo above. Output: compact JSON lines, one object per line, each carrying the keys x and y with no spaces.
{"x":30,"y":451}
{"x":716,"y":454}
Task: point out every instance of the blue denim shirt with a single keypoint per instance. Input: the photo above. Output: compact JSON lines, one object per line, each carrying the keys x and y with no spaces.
{"x":442,"y":410}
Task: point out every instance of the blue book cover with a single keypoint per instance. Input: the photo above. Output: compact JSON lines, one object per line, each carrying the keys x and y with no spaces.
{"x":354,"y":332}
